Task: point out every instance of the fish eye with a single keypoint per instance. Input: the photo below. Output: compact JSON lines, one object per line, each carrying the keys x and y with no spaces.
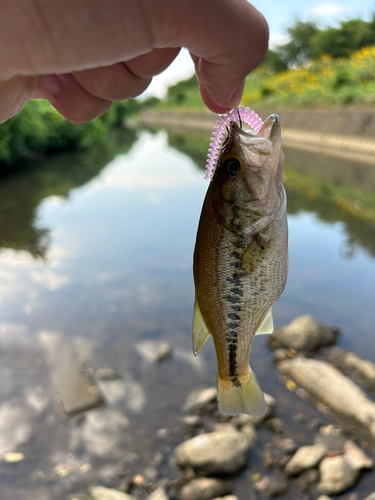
{"x":231,"y":166}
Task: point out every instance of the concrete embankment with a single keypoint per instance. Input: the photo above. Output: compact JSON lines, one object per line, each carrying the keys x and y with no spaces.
{"x":346,"y":133}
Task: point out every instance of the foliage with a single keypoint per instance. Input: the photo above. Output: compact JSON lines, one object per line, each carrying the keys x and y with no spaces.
{"x":39,"y":128}
{"x":299,"y":48}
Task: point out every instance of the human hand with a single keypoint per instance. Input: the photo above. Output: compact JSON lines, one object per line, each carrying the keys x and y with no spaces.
{"x":82,"y":55}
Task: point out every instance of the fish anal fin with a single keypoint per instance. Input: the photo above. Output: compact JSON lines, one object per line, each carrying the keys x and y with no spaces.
{"x":267,"y":324}
{"x":242,"y":395}
{"x":200,"y":330}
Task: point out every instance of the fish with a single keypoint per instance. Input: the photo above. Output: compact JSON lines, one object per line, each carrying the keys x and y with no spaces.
{"x":241,"y":255}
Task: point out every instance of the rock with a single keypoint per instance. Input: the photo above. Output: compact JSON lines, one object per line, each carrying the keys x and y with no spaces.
{"x":307,"y":479}
{"x":304,"y":334}
{"x":250,"y":433}
{"x":276,"y":485}
{"x":158,"y":494}
{"x":305,"y":457}
{"x":280,"y":354}
{"x":214,"y":453}
{"x":74,"y":383}
{"x":191,"y":420}
{"x":101,"y":493}
{"x":204,"y":488}
{"x":107,"y":374}
{"x":336,"y":475}
{"x":334,"y":390}
{"x":227,"y":497}
{"x":286,"y":445}
{"x":352,"y":364}
{"x":277,"y":425}
{"x":151,"y":473}
{"x":332,"y":443}
{"x":198,"y":400}
{"x":356,"y":456}
{"x":370,"y":497}
{"x":324,"y":497}
{"x":163,"y":352}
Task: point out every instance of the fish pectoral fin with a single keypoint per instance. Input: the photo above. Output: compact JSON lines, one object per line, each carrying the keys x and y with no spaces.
{"x":200,"y":330}
{"x":267,"y":324}
{"x":253,"y":254}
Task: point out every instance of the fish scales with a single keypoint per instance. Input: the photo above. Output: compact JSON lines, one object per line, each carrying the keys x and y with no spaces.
{"x":240,"y":259}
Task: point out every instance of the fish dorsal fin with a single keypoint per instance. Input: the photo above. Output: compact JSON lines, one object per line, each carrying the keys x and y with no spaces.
{"x":200,"y":330}
{"x":267,"y":325}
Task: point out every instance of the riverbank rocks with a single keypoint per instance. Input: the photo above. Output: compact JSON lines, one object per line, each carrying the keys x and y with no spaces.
{"x":342,"y":396}
{"x":304,"y":334}
{"x":200,"y":400}
{"x":336,"y":475}
{"x":215,"y":453}
{"x":357,"y":457}
{"x":305,"y":457}
{"x":158,"y":494}
{"x":371,"y":497}
{"x":204,"y":488}
{"x":101,"y":493}
{"x":352,"y":365}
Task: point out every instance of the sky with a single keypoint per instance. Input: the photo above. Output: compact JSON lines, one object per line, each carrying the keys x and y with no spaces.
{"x":279,"y":15}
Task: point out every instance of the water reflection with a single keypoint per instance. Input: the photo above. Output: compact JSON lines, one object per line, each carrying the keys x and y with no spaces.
{"x":116,"y":228}
{"x":21,"y":193}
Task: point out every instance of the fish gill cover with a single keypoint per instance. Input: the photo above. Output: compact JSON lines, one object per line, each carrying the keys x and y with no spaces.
{"x":241,"y":114}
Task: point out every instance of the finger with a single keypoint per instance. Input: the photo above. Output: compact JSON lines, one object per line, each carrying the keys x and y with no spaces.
{"x":153,"y":63}
{"x":71,"y":99}
{"x":15,"y":93}
{"x":112,"y":83}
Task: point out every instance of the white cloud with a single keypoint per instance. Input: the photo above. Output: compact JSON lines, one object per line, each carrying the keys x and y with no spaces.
{"x":328,"y":9}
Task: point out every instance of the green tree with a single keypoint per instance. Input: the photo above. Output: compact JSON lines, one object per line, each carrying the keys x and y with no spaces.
{"x":349,"y":37}
{"x":298,"y":49}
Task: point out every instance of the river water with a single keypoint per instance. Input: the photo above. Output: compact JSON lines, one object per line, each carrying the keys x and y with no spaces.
{"x":96,"y":248}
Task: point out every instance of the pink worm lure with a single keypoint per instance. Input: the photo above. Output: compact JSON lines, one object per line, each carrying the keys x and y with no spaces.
{"x":220,"y":131}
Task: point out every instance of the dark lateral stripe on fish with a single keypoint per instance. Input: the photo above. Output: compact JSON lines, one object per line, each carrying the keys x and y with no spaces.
{"x":233,"y":360}
{"x":234,"y":316}
{"x":237,"y":291}
{"x":234,"y":299}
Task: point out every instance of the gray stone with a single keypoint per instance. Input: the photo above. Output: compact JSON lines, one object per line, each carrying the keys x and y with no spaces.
{"x":280,"y":354}
{"x":158,"y":494}
{"x":336,"y":475}
{"x":227,"y":497}
{"x":204,"y":488}
{"x":371,"y":496}
{"x":74,"y":383}
{"x":305,"y":457}
{"x":351,"y":363}
{"x":305,"y":334}
{"x":276,"y":485}
{"x":357,"y":457}
{"x":199,"y":399}
{"x":307,"y":479}
{"x":214,"y":453}
{"x":107,"y":374}
{"x":324,"y":497}
{"x":333,"y":389}
{"x":191,"y":420}
{"x":250,"y":433}
{"x":101,"y":493}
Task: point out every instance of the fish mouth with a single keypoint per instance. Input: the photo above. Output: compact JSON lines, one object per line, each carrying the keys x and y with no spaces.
{"x":259,"y":145}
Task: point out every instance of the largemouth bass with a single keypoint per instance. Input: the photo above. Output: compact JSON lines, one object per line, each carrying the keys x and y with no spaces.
{"x":240,"y":257}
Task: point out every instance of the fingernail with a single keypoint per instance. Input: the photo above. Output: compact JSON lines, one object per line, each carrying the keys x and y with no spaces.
{"x":51,"y":83}
{"x":236,"y":97}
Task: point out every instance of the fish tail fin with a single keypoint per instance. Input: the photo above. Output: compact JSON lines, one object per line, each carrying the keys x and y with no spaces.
{"x":241,"y":395}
